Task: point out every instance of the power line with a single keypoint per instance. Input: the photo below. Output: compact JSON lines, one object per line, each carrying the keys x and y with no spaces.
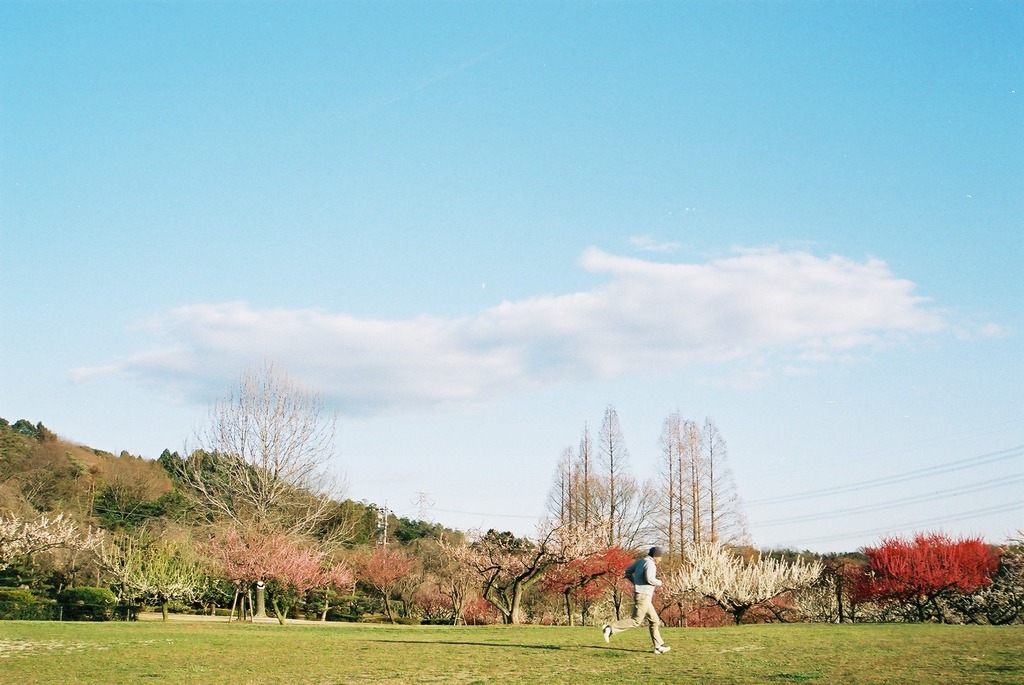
{"x":477,"y":513}
{"x":948,"y":467}
{"x":927,"y":497}
{"x":998,"y":509}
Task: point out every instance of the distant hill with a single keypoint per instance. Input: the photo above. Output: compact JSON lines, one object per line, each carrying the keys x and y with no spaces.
{"x":41,"y":472}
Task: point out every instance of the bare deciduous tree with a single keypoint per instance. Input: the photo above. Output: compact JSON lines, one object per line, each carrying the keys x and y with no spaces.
{"x":670,"y":509}
{"x":576,"y":495}
{"x":264,"y":458}
{"x":593,"y":491}
{"x":726,"y":522}
{"x":563,"y":495}
{"x":698,"y":499}
{"x":614,"y":459}
{"x":624,"y":503}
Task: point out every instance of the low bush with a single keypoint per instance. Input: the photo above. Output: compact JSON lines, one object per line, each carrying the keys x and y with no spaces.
{"x":87,"y":604}
{"x":404,"y":621}
{"x":19,"y":604}
{"x":340,"y":614}
{"x":381,"y":618}
{"x":127,"y":612}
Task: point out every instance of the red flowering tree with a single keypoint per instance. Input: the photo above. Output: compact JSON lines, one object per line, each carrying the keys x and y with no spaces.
{"x":292,"y":570}
{"x":577,"y":579}
{"x":289,"y":568}
{"x":508,"y":565}
{"x":338,"y":578}
{"x":477,"y":611}
{"x":433,"y":602}
{"x":919,"y":574}
{"x":383,"y":569}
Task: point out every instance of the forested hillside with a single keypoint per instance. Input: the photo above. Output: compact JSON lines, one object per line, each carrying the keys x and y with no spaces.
{"x":41,"y":472}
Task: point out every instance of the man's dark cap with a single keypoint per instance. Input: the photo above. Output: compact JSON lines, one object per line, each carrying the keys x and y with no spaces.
{"x":656,"y":552}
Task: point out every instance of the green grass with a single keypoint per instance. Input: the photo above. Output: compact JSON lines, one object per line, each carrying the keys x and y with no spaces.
{"x":209,"y":653}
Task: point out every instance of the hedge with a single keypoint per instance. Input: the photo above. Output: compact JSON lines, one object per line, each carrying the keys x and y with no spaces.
{"x":19,"y":604}
{"x":87,"y":604}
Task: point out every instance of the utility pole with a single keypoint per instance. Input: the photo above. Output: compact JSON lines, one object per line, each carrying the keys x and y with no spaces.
{"x":382,"y":524}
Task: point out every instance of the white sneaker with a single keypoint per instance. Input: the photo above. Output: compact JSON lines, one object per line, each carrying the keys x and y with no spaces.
{"x":606,"y":630}
{"x":662,"y":649}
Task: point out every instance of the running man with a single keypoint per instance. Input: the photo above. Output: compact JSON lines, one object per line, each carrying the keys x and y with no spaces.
{"x":643,"y":573}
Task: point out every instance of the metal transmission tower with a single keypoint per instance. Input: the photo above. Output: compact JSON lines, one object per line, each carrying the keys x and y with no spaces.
{"x":424,"y":503}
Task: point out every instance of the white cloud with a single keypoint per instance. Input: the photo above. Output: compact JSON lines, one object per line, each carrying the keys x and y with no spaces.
{"x":649,"y":244}
{"x":791,"y":308}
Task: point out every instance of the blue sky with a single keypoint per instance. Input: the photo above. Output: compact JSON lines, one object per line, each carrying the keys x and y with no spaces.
{"x":473,"y":226}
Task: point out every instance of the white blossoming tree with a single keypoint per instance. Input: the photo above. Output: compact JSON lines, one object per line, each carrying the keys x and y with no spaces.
{"x":20,"y":538}
{"x":735,"y":584}
{"x":160,"y":573}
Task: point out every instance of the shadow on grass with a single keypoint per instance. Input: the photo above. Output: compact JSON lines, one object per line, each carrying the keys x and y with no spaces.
{"x":467,"y":644}
{"x":464,"y":643}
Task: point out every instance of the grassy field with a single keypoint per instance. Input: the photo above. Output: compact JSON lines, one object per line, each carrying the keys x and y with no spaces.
{"x":208,"y":652}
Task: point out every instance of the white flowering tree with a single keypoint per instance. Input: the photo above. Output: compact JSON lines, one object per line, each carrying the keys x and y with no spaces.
{"x":736,"y":584}
{"x":20,"y":538}
{"x":158,"y":573}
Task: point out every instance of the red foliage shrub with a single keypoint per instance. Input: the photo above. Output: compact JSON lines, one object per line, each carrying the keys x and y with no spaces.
{"x":478,"y":612}
{"x":916,"y":573}
{"x":578,"y":576}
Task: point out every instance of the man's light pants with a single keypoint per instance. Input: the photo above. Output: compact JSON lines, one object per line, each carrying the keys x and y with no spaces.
{"x":643,"y":610}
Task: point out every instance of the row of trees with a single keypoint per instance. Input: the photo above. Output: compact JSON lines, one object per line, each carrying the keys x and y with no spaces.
{"x":692,"y":507}
{"x":692,"y":500}
{"x":497,"y":576}
{"x":250,"y":510}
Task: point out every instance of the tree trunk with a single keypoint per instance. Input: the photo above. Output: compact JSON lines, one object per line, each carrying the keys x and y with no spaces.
{"x":457,"y":607}
{"x":517,"y":601}
{"x":839,"y":596}
{"x":281,"y":615}
{"x":261,"y":600}
{"x":568,"y":607}
{"x":738,"y":612}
